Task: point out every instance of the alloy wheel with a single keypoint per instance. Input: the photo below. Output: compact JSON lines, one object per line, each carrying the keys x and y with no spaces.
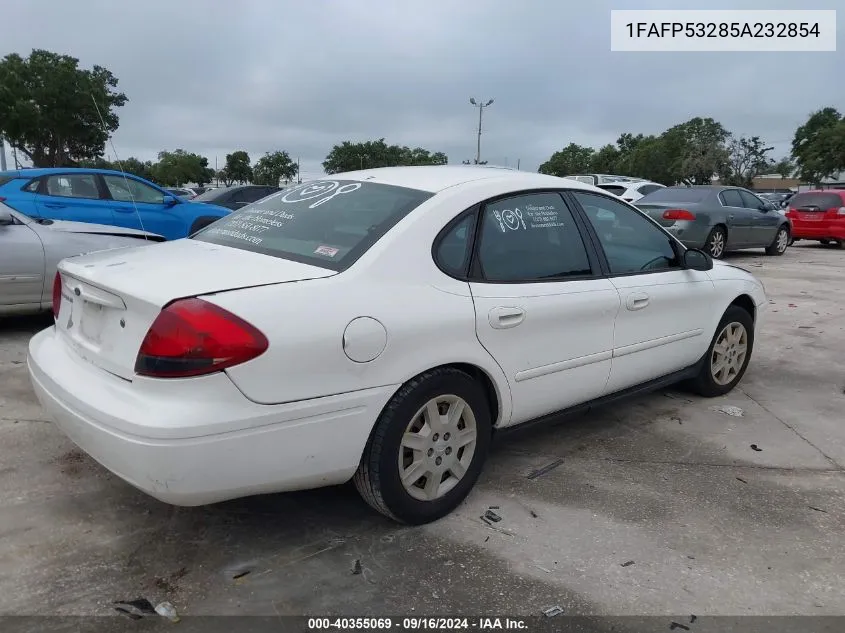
{"x":729,"y":352}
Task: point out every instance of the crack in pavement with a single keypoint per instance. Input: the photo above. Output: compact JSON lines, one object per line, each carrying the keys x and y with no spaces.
{"x":793,"y":429}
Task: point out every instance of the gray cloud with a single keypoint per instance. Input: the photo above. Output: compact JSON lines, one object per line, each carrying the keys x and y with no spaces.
{"x":302,"y":76}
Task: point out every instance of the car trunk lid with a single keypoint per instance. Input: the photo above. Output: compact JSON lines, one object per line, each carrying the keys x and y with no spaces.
{"x":109,"y":300}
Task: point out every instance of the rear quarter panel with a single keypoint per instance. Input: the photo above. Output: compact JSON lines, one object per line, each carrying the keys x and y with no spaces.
{"x":429,"y":317}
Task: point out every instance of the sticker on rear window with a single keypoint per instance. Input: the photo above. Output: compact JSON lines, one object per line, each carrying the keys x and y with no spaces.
{"x":328,"y":251}
{"x":323,"y":189}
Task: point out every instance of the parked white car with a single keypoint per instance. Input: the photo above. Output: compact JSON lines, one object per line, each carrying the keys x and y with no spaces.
{"x":632,"y":191}
{"x":30,"y":250}
{"x":379,"y":326}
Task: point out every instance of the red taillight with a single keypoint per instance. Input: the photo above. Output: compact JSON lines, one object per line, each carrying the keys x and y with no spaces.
{"x":2,"y":199}
{"x":57,"y":294}
{"x":678,"y":214}
{"x":192,"y":337}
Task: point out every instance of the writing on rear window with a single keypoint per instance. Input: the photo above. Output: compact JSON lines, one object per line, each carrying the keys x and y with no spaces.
{"x":327,"y":223}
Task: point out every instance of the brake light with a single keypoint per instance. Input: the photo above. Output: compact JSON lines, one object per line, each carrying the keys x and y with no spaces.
{"x":57,"y":294}
{"x":192,"y":337}
{"x":2,"y":199}
{"x":678,"y":214}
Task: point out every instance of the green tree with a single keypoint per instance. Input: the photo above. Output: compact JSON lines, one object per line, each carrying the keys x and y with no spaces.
{"x":606,"y":160}
{"x":572,"y":159}
{"x":349,"y":156}
{"x":179,"y":167}
{"x":785,"y":167}
{"x":50,"y":109}
{"x":819,"y":146}
{"x":237,"y":168}
{"x":131,"y":165}
{"x":650,"y":158}
{"x":747,"y":158}
{"x":273,"y":168}
{"x":697,"y":150}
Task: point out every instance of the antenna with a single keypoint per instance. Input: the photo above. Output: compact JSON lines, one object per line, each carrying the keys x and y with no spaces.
{"x":120,"y":164}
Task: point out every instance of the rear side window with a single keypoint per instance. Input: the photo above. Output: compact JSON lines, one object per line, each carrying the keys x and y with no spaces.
{"x":453,"y":250}
{"x":821,"y":201}
{"x":731,"y":198}
{"x":675,"y":194}
{"x":647,"y":189}
{"x":616,"y":190}
{"x":529,"y":238}
{"x":326,"y":223}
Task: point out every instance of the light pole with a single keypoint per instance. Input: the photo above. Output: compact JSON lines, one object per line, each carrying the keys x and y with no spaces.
{"x":480,"y":105}
{"x":2,"y":155}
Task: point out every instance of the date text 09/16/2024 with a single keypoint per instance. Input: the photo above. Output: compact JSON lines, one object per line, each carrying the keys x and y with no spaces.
{"x":416,"y":624}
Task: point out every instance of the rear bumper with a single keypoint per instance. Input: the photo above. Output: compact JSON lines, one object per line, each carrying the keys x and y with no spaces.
{"x":822,"y":229}
{"x":198,"y":441}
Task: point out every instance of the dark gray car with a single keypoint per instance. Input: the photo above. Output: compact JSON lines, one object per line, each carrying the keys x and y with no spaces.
{"x":718,"y":219}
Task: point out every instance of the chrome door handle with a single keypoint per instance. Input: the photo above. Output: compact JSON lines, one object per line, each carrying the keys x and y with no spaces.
{"x":637,"y":301}
{"x":503,"y":318}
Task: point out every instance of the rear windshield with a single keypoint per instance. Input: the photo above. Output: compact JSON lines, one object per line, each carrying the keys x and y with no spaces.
{"x":823,"y":201}
{"x":616,"y":190}
{"x":675,"y":194}
{"x":326,"y":223}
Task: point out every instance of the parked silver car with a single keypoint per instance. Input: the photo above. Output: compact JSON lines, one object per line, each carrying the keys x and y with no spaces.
{"x":30,"y":251}
{"x":718,"y":219}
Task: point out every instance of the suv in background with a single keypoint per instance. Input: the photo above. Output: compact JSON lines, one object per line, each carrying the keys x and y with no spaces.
{"x":818,"y":215}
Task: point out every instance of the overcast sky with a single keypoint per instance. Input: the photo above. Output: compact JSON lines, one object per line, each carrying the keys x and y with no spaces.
{"x":213,"y":76}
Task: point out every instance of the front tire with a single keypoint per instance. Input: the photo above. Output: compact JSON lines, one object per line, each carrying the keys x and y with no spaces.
{"x":728,"y":355}
{"x":427,"y":448}
{"x":780,"y":243}
{"x":824,"y":242}
{"x":716,"y":242}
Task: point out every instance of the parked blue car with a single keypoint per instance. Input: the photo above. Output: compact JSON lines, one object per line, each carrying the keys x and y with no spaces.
{"x":103,"y":196}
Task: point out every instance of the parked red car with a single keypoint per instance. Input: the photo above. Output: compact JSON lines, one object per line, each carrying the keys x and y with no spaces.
{"x":818,"y":215}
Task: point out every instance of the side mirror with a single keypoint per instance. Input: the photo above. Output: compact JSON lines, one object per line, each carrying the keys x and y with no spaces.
{"x":6,"y":217}
{"x":170,"y":201}
{"x":695,"y":259}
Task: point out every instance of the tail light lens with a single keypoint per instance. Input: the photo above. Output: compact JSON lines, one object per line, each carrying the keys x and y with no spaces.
{"x":192,"y":337}
{"x":678,"y":214}
{"x":57,"y":294}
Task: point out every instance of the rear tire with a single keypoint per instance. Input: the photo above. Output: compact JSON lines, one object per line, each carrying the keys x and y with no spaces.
{"x":716,"y":242}
{"x":201,"y":223}
{"x":728,"y":355}
{"x":441,"y":421}
{"x":824,"y":242}
{"x":841,"y":243}
{"x":780,"y":243}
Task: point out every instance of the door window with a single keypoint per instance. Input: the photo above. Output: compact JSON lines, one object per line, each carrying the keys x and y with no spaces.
{"x":529,"y":238}
{"x":749,"y":200}
{"x":631,"y":242}
{"x":731,"y":198}
{"x":647,"y":189}
{"x":73,"y":186}
{"x":129,"y":190}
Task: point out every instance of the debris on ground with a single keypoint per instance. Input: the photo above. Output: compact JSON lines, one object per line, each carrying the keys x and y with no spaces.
{"x":817,"y":509}
{"x":692,"y":618}
{"x":140,"y":605}
{"x":551,"y":612}
{"x":167,"y":610}
{"x":357,"y":568}
{"x":627,"y":563}
{"x":534,"y":515}
{"x":754,"y":447}
{"x":675,"y":396}
{"x":730,"y":410}
{"x":492,"y":516}
{"x":741,"y":479}
{"x":548,"y":571}
{"x":676,"y":625}
{"x":545,"y":469}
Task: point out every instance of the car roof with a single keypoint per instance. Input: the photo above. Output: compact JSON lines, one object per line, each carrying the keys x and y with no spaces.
{"x":37,"y":172}
{"x":436,"y":178}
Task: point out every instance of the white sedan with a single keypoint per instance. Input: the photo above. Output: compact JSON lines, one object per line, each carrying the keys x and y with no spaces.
{"x":379,"y":326}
